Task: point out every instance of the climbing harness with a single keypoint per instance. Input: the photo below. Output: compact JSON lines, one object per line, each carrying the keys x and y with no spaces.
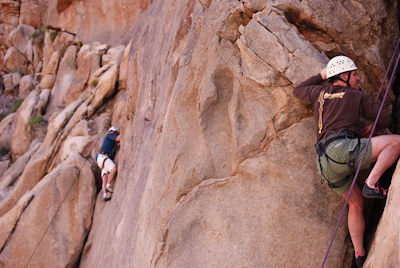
{"x":366,"y":148}
{"x":321,"y":150}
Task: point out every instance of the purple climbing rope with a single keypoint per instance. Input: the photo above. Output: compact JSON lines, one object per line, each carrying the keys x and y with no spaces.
{"x":383,"y":81}
{"x":366,"y":148}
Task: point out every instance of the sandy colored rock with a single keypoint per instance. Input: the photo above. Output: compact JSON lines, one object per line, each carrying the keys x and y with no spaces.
{"x":32,"y":12}
{"x":123,"y":68}
{"x":22,"y":135}
{"x":15,"y":61}
{"x":105,"y":88}
{"x":26,"y":85}
{"x":20,"y":37}
{"x":4,"y":166}
{"x":9,"y":12}
{"x":11,"y":83}
{"x":233,"y":159}
{"x":8,"y":221}
{"x":49,"y":74}
{"x":11,"y":175}
{"x":65,"y":76}
{"x":216,"y":166}
{"x":88,"y":61}
{"x":7,"y":126}
{"x":385,"y":248}
{"x":42,"y":102}
{"x":113,"y":55}
{"x":62,"y":41}
{"x":62,"y":208}
{"x":78,"y":144}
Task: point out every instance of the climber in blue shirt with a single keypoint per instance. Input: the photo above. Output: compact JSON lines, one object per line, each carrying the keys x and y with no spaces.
{"x":105,"y":161}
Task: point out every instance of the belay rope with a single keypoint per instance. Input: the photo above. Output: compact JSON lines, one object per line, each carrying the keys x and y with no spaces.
{"x":366,"y":148}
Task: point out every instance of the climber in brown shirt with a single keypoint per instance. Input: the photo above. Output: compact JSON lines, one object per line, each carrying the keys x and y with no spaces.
{"x":338,"y":108}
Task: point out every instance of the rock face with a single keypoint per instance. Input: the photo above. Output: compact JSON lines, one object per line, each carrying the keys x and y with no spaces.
{"x":56,"y":235}
{"x":216,"y":166}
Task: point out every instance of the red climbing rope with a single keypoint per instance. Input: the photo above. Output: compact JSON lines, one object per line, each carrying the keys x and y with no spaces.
{"x":366,"y":148}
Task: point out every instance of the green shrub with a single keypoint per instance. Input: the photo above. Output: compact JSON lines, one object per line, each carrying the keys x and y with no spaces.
{"x":17,"y":104}
{"x":53,"y":36}
{"x":94,"y":82}
{"x":36,"y":121}
{"x":35,"y":33}
{"x":2,"y":116}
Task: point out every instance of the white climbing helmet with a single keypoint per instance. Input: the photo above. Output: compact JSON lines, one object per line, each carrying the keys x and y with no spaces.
{"x":113,"y":128}
{"x":338,"y":65}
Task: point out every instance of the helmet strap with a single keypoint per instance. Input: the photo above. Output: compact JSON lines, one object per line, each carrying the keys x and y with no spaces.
{"x":348,"y":79}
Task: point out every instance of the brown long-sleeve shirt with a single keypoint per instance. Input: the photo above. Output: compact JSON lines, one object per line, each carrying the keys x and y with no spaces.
{"x":339,"y":108}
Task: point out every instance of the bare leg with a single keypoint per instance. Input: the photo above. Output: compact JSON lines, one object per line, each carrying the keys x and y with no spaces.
{"x":112,"y":175}
{"x":356,"y":220}
{"x":103,"y":186}
{"x":385,"y":151}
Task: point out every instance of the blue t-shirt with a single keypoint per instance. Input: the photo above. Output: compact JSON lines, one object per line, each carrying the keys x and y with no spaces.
{"x":109,"y":145}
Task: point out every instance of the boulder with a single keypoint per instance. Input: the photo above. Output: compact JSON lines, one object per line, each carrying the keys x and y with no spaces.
{"x":49,"y":74}
{"x":12,"y":174}
{"x":39,"y":163}
{"x":21,"y":36}
{"x":26,"y":85}
{"x":56,"y":221}
{"x":105,"y":88}
{"x":113,"y":55}
{"x":42,"y":102}
{"x":15,"y":61}
{"x":65,"y":75}
{"x":8,"y":221}
{"x":21,"y":137}
{"x":62,"y":41}
{"x":48,"y":49}
{"x":123,"y":68}
{"x":4,"y":166}
{"x":11,"y":83}
{"x":77,"y":144}
{"x":88,"y":61}
{"x":7,"y":126}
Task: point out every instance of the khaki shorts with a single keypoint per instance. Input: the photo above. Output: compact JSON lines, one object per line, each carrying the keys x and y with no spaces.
{"x":107,"y":162}
{"x":339,"y":151}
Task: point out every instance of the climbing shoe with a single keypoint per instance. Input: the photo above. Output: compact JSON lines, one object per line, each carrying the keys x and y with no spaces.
{"x":106,"y":197}
{"x":109,"y":189}
{"x":360,"y":260}
{"x":376,"y":192}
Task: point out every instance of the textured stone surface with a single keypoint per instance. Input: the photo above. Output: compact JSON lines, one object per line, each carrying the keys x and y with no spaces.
{"x":57,"y":220}
{"x":32,"y":12}
{"x":20,"y":37}
{"x":49,"y":74}
{"x":216,"y":166}
{"x":232,"y":161}
{"x":7,"y":126}
{"x":9,"y":12}
{"x":385,"y":247}
{"x":65,"y":75}
{"x":26,"y":85}
{"x":21,"y":138}
{"x":15,"y":61}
